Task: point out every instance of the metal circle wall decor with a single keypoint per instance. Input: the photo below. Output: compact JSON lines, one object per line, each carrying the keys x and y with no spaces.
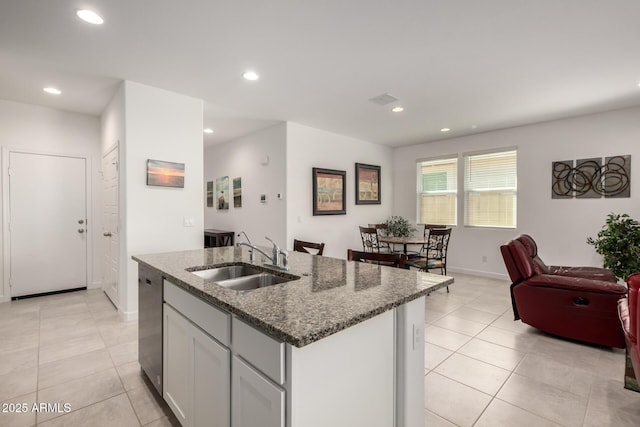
{"x":589,"y":178}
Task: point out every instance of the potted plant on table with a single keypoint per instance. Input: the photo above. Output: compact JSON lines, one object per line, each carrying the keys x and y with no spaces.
{"x":619,"y":244}
{"x":397,"y":226}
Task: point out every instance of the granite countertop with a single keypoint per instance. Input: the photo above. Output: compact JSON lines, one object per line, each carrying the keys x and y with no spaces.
{"x":331,"y":295}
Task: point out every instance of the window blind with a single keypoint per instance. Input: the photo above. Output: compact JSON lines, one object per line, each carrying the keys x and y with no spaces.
{"x":437,"y":191}
{"x":490,"y":187}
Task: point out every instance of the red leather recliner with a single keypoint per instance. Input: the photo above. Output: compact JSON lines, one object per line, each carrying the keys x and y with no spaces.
{"x":629,"y":312}
{"x":573,"y":302}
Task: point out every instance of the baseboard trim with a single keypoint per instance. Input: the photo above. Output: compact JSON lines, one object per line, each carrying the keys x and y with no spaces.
{"x":127,"y":316}
{"x":480,"y":273}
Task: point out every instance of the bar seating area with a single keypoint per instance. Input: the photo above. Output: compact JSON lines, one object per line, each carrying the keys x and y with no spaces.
{"x":387,"y":259}
{"x":308,"y":247}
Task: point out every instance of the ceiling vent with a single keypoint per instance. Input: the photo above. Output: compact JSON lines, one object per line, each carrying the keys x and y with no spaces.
{"x":383,"y":99}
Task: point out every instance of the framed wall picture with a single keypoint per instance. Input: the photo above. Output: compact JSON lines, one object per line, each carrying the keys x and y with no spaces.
{"x":329,"y":192}
{"x":165,"y":174}
{"x":237,"y":192}
{"x":209,"y":194}
{"x":367,"y":184}
{"x":222,"y":193}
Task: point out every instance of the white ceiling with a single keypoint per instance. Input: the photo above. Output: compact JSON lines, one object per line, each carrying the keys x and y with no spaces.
{"x":452,"y":63}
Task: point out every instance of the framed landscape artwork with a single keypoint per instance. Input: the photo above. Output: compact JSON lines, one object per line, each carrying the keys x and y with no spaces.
{"x":367,"y":184}
{"x":209,"y":194}
{"x":237,"y":192}
{"x":165,"y":174}
{"x":329,"y":192}
{"x":222,"y":193}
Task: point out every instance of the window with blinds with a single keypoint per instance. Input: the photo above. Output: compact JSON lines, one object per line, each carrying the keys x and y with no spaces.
{"x":438,"y":191}
{"x":490,"y":189}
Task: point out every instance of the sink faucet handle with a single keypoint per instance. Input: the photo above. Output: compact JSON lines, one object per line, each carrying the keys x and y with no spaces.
{"x":276,"y":252}
{"x":275,"y":245}
{"x":245,"y":236}
{"x":285,"y":259}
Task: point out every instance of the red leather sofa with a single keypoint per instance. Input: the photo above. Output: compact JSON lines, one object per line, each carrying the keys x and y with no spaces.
{"x":579,"y":303}
{"x":629,"y":312}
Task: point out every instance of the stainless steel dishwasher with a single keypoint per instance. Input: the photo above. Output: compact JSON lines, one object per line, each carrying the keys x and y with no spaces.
{"x":150,"y":324}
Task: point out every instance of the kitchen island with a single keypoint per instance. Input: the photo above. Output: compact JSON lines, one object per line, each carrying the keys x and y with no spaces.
{"x":337,"y":343}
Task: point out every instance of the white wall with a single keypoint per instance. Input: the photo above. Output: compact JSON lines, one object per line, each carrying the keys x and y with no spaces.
{"x":560,"y":227}
{"x":242,"y":158}
{"x":167,"y":126}
{"x":308,"y":148}
{"x":46,"y":130}
{"x":113,"y":129}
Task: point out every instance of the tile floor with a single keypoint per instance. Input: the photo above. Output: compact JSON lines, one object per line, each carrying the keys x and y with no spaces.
{"x":485,"y":370}
{"x":481,"y":368}
{"x":72,"y":348}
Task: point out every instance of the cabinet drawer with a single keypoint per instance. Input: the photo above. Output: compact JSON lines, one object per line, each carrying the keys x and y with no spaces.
{"x":212,"y":320}
{"x":259,"y":349}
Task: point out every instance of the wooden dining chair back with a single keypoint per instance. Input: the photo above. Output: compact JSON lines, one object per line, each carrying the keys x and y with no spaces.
{"x":381,"y":229}
{"x":428,"y":227}
{"x":302,"y":246}
{"x":388,"y":259}
{"x":370,"y":242}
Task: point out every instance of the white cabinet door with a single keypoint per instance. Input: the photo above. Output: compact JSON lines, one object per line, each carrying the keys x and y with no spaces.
{"x":256,"y":401}
{"x":211,"y":381}
{"x":177,"y":364}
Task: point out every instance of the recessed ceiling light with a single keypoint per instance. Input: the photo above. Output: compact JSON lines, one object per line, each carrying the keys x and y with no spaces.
{"x":445,"y":130}
{"x":90,"y":16}
{"x":474,"y":126}
{"x":397,"y":109}
{"x":250,"y":75}
{"x":52,"y":90}
{"x":208,"y":130}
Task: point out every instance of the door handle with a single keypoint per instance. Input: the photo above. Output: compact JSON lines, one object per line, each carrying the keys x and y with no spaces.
{"x":106,"y":234}
{"x":81,"y":221}
{"x":80,"y":230}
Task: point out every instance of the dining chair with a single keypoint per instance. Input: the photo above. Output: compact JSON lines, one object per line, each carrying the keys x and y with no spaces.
{"x":370,"y":242}
{"x":388,"y":259}
{"x":434,"y":253}
{"x":381,"y":229}
{"x":302,"y":246}
{"x":427,"y":229}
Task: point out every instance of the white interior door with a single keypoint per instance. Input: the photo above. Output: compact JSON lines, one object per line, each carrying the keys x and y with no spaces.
{"x":110,"y":225}
{"x":47,"y":223}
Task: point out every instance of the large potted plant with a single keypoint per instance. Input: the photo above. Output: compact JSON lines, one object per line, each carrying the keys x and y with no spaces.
{"x":619,"y":244}
{"x":397,"y":226}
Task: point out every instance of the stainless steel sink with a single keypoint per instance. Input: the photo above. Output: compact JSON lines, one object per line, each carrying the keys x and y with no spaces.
{"x":227,"y":272}
{"x":252,"y":282}
{"x":242,"y":277}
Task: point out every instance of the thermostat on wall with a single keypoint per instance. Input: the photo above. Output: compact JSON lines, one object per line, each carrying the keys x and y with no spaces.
{"x":263,"y":198}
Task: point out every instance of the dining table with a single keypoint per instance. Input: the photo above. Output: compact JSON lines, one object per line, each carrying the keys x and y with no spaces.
{"x":404,"y":241}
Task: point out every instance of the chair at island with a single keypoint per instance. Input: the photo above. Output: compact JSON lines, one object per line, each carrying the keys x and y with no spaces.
{"x":302,"y":246}
{"x":391,"y":260}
